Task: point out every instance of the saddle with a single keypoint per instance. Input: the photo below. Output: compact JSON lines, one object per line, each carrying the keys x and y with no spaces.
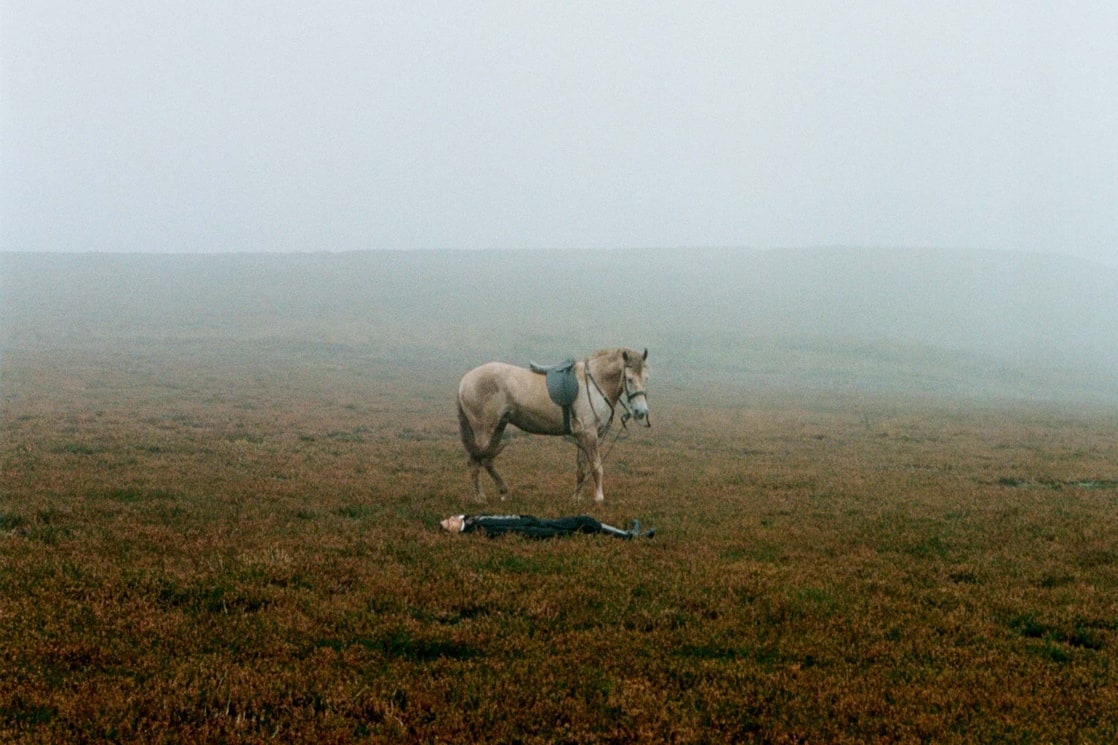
{"x":562,"y":386}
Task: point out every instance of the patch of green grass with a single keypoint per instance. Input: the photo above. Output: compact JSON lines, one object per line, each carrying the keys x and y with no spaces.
{"x":12,"y":521}
{"x":19,"y":715}
{"x":137,"y":495}
{"x":77,"y":448}
{"x":929,"y":547}
{"x":358,"y":511}
{"x":816,"y":602}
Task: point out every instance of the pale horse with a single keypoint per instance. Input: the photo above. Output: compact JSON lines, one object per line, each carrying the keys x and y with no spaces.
{"x":497,"y":394}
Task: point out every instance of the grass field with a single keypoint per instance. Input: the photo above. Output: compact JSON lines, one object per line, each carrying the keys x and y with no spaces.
{"x":218,"y":545}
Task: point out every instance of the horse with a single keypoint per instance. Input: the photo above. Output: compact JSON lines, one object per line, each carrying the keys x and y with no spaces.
{"x":496,"y":394}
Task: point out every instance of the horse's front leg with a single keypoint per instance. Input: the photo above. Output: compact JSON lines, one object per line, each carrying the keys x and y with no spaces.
{"x":596,"y":469}
{"x":589,"y":456}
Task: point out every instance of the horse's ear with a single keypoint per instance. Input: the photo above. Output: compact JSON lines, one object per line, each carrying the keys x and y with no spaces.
{"x":625,"y":356}
{"x":645,"y":357}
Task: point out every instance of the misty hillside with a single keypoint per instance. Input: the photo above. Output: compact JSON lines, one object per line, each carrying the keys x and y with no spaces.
{"x":1009,"y":324}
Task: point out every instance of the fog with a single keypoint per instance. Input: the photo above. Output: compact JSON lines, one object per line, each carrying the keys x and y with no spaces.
{"x":338,"y":126}
{"x":954,"y":324}
{"x":251,"y":174}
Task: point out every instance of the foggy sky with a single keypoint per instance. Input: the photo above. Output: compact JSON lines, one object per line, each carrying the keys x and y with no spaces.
{"x":290,"y":126}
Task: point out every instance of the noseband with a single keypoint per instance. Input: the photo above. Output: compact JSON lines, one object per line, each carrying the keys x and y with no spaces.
{"x":629,"y":396}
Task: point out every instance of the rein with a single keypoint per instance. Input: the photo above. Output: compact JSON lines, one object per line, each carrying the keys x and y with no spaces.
{"x":590,"y":377}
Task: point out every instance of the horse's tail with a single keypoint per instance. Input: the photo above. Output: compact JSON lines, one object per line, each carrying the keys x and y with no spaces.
{"x":469,"y":440}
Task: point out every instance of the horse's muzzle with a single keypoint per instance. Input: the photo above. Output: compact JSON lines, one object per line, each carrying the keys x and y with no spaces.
{"x":637,"y":405}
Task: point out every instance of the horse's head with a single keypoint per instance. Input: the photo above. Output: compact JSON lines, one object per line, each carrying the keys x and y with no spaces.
{"x":633,"y":381}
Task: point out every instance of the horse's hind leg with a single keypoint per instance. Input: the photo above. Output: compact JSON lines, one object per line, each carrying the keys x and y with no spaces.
{"x":580,"y":473}
{"x":502,"y":487}
{"x":492,"y":450}
{"x":482,"y":450}
{"x":476,"y":464}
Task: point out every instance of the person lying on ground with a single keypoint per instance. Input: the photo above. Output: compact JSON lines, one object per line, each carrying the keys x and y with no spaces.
{"x":534,"y":527}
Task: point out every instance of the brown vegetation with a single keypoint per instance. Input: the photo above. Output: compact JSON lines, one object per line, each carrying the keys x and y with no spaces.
{"x":207,"y":546}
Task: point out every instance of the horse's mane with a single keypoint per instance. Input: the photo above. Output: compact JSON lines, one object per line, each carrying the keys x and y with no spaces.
{"x":635,"y":355}
{"x":636,"y":359}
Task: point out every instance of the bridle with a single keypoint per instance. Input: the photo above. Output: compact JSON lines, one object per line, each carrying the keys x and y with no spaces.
{"x":626,"y":404}
{"x":629,"y":396}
